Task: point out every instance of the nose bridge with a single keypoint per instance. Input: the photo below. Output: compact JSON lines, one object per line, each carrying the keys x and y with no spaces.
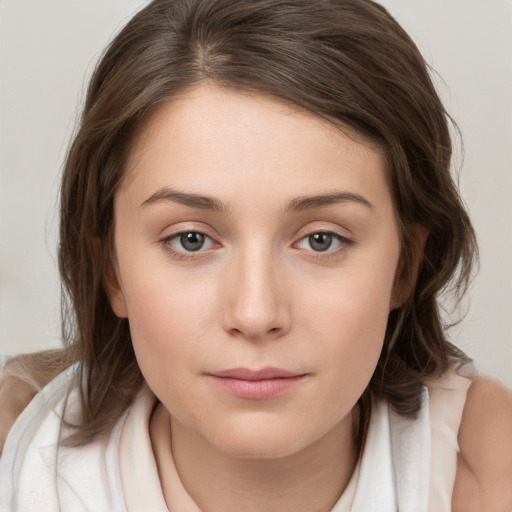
{"x":257,"y":308}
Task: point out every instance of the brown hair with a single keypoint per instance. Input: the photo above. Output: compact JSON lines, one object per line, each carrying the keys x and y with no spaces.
{"x":347,"y":61}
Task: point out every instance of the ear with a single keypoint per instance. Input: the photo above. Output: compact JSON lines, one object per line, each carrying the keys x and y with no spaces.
{"x":408,"y":266}
{"x":115,"y":292}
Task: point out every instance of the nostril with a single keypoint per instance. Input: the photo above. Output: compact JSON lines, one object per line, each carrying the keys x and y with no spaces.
{"x":274,"y":332}
{"x":271,"y":333}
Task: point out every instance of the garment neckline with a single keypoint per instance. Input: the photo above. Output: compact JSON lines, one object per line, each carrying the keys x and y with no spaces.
{"x":143,"y":479}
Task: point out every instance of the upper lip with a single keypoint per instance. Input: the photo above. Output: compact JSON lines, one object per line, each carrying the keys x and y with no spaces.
{"x":260,"y":374}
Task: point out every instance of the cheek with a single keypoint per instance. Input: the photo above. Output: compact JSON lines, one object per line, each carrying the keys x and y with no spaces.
{"x":168,"y":322}
{"x":354,"y":340}
{"x":354,"y":303}
{"x":348,"y":322}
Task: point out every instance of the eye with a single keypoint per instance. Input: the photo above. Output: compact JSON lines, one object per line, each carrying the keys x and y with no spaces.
{"x":322,"y":241}
{"x":188,"y":242}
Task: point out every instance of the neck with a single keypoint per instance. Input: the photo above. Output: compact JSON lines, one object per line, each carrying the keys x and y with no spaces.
{"x":311,"y":480}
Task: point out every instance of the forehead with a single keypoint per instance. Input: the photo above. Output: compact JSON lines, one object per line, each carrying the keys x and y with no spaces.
{"x":216,"y":141}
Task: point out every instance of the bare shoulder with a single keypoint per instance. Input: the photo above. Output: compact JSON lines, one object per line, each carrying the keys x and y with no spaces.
{"x":484,"y":467}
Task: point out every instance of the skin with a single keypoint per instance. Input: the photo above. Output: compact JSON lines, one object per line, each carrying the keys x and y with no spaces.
{"x":257,"y":294}
{"x":484,"y":465}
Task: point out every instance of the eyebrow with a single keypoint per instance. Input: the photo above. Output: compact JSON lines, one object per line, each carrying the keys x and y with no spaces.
{"x":188,"y":199}
{"x":311,"y":202}
{"x":297,"y":204}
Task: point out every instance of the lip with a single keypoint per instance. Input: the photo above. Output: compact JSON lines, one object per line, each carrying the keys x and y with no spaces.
{"x":258,"y":384}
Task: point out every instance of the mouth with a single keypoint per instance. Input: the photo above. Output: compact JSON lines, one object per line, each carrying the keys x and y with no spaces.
{"x":256,"y":384}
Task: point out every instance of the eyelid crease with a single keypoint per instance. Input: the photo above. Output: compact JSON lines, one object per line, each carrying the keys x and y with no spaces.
{"x":342,"y":238}
{"x":319,"y":225}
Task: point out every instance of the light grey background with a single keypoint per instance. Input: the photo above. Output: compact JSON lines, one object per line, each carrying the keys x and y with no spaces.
{"x":48,"y":49}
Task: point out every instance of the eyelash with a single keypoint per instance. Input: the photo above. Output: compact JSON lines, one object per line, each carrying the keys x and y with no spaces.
{"x":166,"y":242}
{"x":185,"y":254}
{"x":344,"y":242}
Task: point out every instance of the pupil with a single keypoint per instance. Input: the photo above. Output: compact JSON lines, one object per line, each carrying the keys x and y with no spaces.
{"x":320,"y":241}
{"x":192,"y":241}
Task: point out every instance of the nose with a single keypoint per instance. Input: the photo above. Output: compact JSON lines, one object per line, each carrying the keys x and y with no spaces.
{"x":256,"y":306}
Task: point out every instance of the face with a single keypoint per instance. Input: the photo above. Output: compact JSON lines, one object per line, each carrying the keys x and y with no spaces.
{"x":256,"y":255}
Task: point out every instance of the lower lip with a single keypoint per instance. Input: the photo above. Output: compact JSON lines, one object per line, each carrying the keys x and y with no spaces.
{"x":257,"y":389}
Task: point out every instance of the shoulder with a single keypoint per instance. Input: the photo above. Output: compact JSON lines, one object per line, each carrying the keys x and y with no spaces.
{"x":23,"y":410}
{"x":37,"y":460}
{"x":484,"y":467}
{"x":15,"y":394}
{"x":22,"y":377}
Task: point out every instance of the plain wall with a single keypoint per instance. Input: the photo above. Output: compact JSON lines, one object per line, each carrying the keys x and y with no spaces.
{"x":48,"y":47}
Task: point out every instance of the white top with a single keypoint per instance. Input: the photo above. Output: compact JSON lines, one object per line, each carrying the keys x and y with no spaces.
{"x":406,"y":465}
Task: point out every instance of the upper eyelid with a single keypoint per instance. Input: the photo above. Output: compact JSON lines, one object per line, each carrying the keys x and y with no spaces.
{"x":325,"y":231}
{"x":177,"y":234}
{"x":186,"y":227}
{"x":183,"y":231}
{"x":338,"y":236}
{"x":339,"y":231}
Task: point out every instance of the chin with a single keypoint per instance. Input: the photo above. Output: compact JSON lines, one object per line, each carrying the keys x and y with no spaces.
{"x":264,"y":439}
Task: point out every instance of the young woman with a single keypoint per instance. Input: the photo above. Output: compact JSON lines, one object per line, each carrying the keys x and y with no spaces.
{"x":257,"y":217}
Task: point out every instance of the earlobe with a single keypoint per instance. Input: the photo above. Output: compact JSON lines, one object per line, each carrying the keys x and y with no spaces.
{"x":115,"y":293}
{"x":408,"y":267}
